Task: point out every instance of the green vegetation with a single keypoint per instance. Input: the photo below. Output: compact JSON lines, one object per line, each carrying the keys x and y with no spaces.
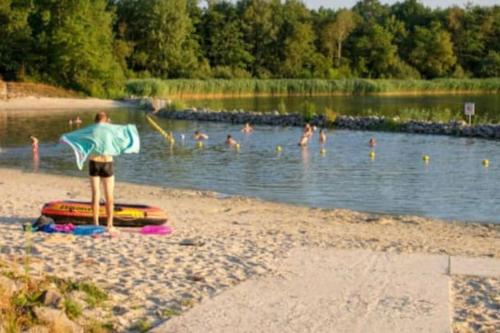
{"x":142,"y":325}
{"x":99,"y":327}
{"x":330,"y":114}
{"x":17,"y":308}
{"x":308,"y":111}
{"x":72,"y":309}
{"x":168,"y":313}
{"x":282,"y":106}
{"x":176,"y":106}
{"x":169,"y":88}
{"x":93,"y":46}
{"x":94,"y":296}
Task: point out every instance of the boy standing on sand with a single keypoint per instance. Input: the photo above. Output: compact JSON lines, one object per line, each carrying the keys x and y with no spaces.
{"x":100,"y":142}
{"x":101,"y":170}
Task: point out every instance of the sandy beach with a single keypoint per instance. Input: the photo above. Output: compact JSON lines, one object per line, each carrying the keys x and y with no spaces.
{"x":236,"y":239}
{"x":48,"y":103}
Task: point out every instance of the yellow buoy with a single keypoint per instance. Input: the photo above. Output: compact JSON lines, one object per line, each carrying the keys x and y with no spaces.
{"x":279,"y":148}
{"x":322,"y":151}
{"x":426,"y":158}
{"x":199,"y":144}
{"x":237,"y":146}
{"x":372,"y":155}
{"x":486,"y":163}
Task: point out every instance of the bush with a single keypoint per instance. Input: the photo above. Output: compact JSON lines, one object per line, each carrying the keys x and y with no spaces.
{"x":222,"y":72}
{"x":176,"y":106}
{"x":330,"y":115}
{"x":282,"y":106}
{"x":308,"y":111}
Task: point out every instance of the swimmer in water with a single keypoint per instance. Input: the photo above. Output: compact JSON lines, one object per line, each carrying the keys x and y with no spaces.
{"x":308,"y":130}
{"x":247,"y":128}
{"x":198,"y":136}
{"x":372,"y":142}
{"x":322,"y":136}
{"x":230,"y":141}
{"x":303,"y":140}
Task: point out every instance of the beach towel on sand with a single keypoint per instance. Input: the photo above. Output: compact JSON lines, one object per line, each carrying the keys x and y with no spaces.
{"x":102,"y":139}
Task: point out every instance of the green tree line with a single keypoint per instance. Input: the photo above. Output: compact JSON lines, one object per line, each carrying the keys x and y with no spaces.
{"x":95,"y":45}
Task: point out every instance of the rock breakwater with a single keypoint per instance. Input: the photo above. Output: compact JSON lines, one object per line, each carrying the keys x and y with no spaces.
{"x":369,"y":123}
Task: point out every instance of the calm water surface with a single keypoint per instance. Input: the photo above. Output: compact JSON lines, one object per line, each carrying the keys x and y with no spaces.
{"x":454,"y":185}
{"x":435,"y":108}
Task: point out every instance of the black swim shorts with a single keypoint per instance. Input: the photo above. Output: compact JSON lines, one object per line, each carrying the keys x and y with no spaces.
{"x":100,"y":169}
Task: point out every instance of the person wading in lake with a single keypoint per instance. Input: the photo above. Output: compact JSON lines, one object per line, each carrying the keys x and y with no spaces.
{"x":230,"y":141}
{"x":247,"y":128}
{"x":198,"y":136}
{"x":322,"y":136}
{"x":308,"y":131}
{"x":100,"y":142}
{"x":304,"y":139}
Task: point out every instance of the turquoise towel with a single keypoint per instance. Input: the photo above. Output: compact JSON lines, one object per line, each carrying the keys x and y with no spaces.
{"x":102,"y":139}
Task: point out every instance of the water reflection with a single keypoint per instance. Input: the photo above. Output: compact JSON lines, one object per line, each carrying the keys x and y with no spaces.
{"x":304,"y":154}
{"x":432,"y":108}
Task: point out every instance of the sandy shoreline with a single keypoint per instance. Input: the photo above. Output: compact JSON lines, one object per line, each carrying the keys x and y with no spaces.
{"x":48,"y":103}
{"x":240,"y":238}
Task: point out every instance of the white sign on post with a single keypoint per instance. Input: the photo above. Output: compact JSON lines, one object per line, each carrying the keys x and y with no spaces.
{"x":469,"y":110}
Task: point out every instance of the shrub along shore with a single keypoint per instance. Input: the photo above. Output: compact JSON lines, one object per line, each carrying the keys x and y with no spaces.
{"x":371,"y":123}
{"x":311,"y":87}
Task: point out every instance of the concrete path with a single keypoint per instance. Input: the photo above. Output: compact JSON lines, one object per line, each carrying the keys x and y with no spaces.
{"x":328,"y":290}
{"x":488,"y":267}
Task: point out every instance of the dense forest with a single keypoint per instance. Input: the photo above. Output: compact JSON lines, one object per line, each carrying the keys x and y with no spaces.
{"x":93,"y":46}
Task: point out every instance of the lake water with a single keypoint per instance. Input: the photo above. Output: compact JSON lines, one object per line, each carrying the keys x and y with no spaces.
{"x":454,"y":185}
{"x":435,"y":108}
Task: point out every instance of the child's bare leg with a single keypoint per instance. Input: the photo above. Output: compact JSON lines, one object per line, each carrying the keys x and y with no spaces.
{"x":94,"y":184}
{"x":109,"y":185}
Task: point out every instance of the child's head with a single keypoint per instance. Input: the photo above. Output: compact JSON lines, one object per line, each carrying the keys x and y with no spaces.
{"x":229,"y":136}
{"x":101,"y":117}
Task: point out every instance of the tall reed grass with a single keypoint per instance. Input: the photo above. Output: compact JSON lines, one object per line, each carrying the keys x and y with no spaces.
{"x":283,"y":87}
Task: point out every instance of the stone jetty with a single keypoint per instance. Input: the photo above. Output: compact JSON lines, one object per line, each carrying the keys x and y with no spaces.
{"x":370,"y":123}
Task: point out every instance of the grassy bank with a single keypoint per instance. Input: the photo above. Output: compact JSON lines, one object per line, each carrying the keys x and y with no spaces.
{"x":284,"y":87}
